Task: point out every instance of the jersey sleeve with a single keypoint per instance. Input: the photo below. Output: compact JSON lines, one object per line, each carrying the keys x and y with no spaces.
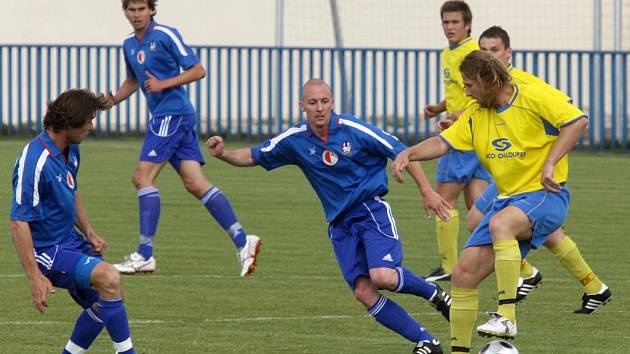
{"x":130,"y":73}
{"x":557,"y":111}
{"x":272,"y":153}
{"x":459,"y":135}
{"x":183,"y":54}
{"x":379,"y":141}
{"x":28,"y":185}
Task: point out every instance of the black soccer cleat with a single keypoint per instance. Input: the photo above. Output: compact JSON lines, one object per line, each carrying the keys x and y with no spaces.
{"x":592,"y":302}
{"x":526,"y":285}
{"x":426,"y":347}
{"x":438,"y":274}
{"x":441,"y":301}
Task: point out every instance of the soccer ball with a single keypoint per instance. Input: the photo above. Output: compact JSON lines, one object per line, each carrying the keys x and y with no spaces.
{"x":498,"y":347}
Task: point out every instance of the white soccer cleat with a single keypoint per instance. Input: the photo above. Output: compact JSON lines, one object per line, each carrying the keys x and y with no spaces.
{"x":497,"y":326}
{"x":135,"y":263}
{"x":247,"y":255}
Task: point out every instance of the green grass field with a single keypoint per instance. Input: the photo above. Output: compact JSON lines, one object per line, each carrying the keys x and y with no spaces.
{"x":297,"y":301}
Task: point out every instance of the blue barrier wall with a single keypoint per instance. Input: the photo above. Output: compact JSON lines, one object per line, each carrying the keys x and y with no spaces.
{"x":253,"y":92}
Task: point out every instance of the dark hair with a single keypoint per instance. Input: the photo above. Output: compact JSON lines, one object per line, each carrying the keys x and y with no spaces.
{"x":497,"y":32}
{"x":483,"y":67}
{"x":457,"y":6}
{"x":72,"y":109}
{"x":150,"y":3}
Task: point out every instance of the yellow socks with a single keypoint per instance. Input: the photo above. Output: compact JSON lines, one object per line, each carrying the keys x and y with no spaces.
{"x":447,"y":232}
{"x":527,"y":270}
{"x":464,"y":308}
{"x":568,"y":254}
{"x":507,"y":263}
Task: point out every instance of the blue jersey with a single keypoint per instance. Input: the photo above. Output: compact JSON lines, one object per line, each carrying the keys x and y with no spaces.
{"x":345,"y":170}
{"x":161,"y":53}
{"x":44,"y":187}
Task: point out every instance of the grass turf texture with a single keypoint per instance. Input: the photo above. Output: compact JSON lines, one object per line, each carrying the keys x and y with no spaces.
{"x":297,"y":301}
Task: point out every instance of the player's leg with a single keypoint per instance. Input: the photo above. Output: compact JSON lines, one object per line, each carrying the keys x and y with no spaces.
{"x":187,"y":161}
{"x":475,"y":264}
{"x":596,"y":293}
{"x":111,"y":309}
{"x":447,"y":231}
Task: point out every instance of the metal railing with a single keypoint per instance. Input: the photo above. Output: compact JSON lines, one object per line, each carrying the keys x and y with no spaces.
{"x":253,"y":92}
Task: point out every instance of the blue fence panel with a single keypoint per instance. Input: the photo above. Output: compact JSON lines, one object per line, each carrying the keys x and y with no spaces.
{"x":253,"y":92}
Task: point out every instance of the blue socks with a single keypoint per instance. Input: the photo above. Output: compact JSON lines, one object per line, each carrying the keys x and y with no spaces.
{"x":410,"y":283}
{"x":86,"y":329}
{"x":391,"y":315}
{"x":149,"y":203}
{"x":219,"y":207}
{"x":114,"y":317}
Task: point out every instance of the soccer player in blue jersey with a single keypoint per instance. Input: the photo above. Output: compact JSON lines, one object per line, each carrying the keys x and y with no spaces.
{"x":154,"y":54}
{"x":46,"y":207}
{"x":457,"y":171}
{"x":345,"y":159}
{"x":496,"y":41}
{"x":522,"y":135}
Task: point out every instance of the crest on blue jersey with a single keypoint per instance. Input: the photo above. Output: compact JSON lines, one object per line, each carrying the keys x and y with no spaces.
{"x":75,"y":162}
{"x":330,"y":158}
{"x":152,"y":46}
{"x":346,"y":148}
{"x":140,"y":57}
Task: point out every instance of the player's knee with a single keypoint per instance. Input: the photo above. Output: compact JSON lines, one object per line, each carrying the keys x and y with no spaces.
{"x":366,"y":293}
{"x":385,"y":280}
{"x":107,"y":280}
{"x":463,"y":277}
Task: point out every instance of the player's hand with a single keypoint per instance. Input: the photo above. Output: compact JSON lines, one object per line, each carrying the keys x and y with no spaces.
{"x":215,"y":146}
{"x":40,"y":288}
{"x":98,"y":243}
{"x":443,"y":124}
{"x":111,"y":102}
{"x":430,"y":111}
{"x":399,"y":165}
{"x":153,"y":84}
{"x":547,"y":179}
{"x":434,"y":203}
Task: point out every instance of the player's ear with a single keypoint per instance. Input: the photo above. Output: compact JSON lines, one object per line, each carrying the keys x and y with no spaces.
{"x":302,"y":106}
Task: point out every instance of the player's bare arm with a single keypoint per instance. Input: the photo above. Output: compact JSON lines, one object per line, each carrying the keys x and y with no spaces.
{"x":153,"y":84}
{"x":568,"y":137}
{"x":432,"y":201}
{"x":239,"y":158}
{"x":40,"y":285}
{"x":83,"y":223}
{"x":128,"y":87}
{"x":429,"y":149}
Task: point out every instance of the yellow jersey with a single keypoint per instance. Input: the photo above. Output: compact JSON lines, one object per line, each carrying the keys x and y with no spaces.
{"x":450,"y":58}
{"x":513,"y":141}
{"x":524,"y":78}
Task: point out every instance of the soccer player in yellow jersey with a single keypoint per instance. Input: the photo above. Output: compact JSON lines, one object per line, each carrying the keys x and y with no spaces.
{"x":522,"y":136}
{"x":457,"y":170}
{"x":496,"y":41}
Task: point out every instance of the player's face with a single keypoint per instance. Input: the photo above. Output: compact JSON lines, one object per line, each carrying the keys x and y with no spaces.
{"x":77,"y":135}
{"x":454,"y":27}
{"x":139,"y":15}
{"x":496,"y":47}
{"x":475,"y":90}
{"x":317,"y":103}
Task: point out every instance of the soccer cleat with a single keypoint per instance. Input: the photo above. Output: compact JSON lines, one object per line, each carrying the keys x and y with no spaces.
{"x":248,"y":253}
{"x":135,"y":263}
{"x":526,"y":285}
{"x":442,"y":302}
{"x":438,"y":274}
{"x":426,"y":347}
{"x":497,"y":326}
{"x":592,"y":302}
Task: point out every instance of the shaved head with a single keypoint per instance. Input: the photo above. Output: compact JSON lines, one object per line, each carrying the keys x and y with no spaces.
{"x":315,"y":82}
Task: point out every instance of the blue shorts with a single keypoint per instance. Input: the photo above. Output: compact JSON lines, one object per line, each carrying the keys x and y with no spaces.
{"x":461,"y":167}
{"x":171,"y":138}
{"x":546,"y":210}
{"x":68,"y":265}
{"x":485,"y":201}
{"x":365,"y":237}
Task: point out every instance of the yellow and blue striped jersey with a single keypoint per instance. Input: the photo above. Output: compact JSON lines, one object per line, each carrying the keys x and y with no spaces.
{"x":451,"y":57}
{"x":513,"y":141}
{"x":521,"y":77}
